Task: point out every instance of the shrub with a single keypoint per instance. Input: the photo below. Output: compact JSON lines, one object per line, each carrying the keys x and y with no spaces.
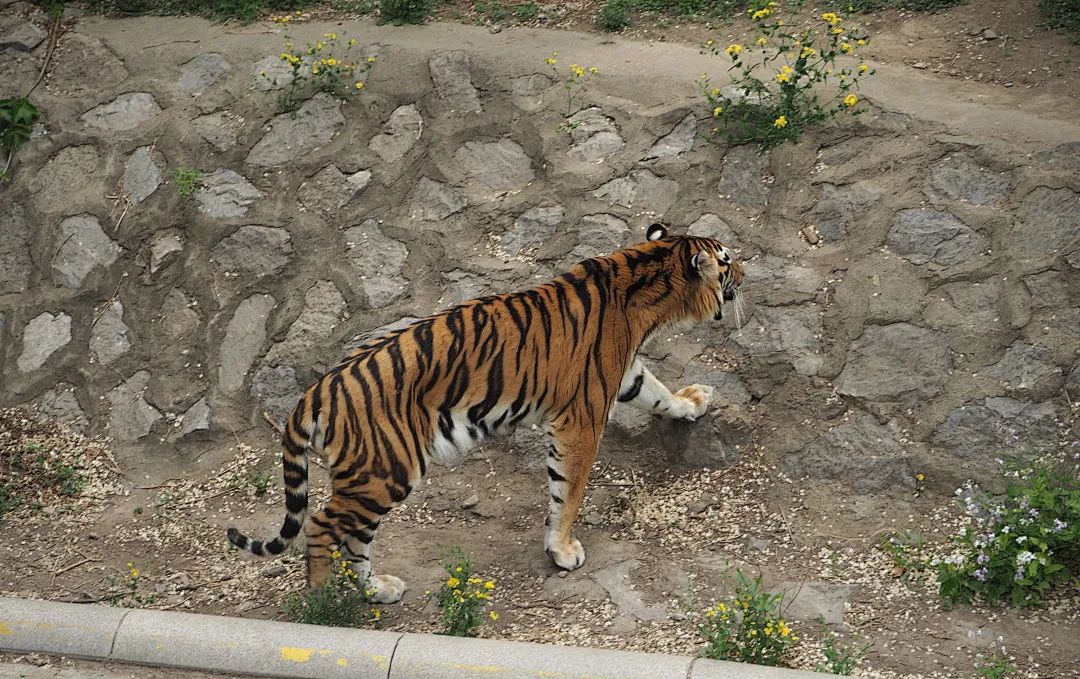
{"x":1021,"y":546}
{"x":840,"y":659}
{"x":576,"y":77}
{"x":339,"y":602}
{"x":1062,"y":14}
{"x":463,"y":597}
{"x":780,"y":110}
{"x":187,"y":180}
{"x":400,"y":12}
{"x":995,"y":665}
{"x":612,"y":16}
{"x":320,"y":67}
{"x":747,"y":627}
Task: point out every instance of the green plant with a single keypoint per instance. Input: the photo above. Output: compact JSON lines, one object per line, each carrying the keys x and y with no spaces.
{"x":840,"y":659}
{"x":260,"y":481}
{"x":995,"y":665}
{"x":612,"y":16}
{"x":1021,"y":546}
{"x":244,"y":11}
{"x":575,"y":78}
{"x":1062,"y":14}
{"x":786,"y":105}
{"x":124,"y":590}
{"x":17,"y":118}
{"x":9,"y":502}
{"x":68,"y":481}
{"x":320,"y":67}
{"x":747,"y":627}
{"x":188,"y":180}
{"x":400,"y":12}
{"x":339,"y":602}
{"x":463,"y":597}
{"x":527,"y":11}
{"x":899,"y":546}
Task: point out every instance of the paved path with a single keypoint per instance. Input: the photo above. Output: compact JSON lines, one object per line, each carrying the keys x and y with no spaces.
{"x":83,"y":669}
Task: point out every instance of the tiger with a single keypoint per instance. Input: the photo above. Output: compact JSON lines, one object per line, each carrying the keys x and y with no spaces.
{"x":558,"y":355}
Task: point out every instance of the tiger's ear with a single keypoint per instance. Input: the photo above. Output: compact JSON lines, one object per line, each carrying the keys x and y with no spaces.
{"x":656,"y":232}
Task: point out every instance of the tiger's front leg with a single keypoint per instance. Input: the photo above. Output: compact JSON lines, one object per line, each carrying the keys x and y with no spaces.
{"x":574,"y":443}
{"x":641,"y":389}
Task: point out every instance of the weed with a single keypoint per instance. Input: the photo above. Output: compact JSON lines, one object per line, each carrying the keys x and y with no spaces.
{"x":188,"y":180}
{"x":527,"y":11}
{"x":1062,"y":14}
{"x":9,"y":502}
{"x":575,"y":79}
{"x":612,"y":16}
{"x":996,"y":665}
{"x":17,"y":118}
{"x":68,"y":481}
{"x":898,"y":545}
{"x":320,"y":67}
{"x":747,"y":627}
{"x":244,"y":11}
{"x":124,"y":590}
{"x":840,"y":659}
{"x":260,"y":481}
{"x":463,"y":596}
{"x":399,"y":12}
{"x":339,"y":602}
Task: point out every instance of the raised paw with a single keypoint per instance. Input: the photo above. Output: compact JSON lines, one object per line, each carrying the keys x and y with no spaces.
{"x":569,"y":556}
{"x":387,"y":588}
{"x":696,"y":399}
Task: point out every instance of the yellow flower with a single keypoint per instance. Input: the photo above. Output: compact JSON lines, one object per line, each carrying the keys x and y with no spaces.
{"x":761,"y":14}
{"x":371,"y":60}
{"x":494,"y":615}
{"x":376,"y":613}
{"x":549,"y":61}
{"x":863,"y":68}
{"x":458,"y":569}
{"x":457,"y":593}
{"x":849,"y":101}
{"x":710,"y":613}
{"x":482,"y":595}
{"x":920,"y":476}
{"x":490,"y":584}
{"x":335,"y":554}
{"x":733,"y":49}
{"x":778,"y":123}
{"x":330,"y":36}
{"x":452,"y":582}
{"x":359,"y":86}
{"x":768,"y":631}
{"x":860,"y":42}
{"x":320,"y":45}
{"x":832,"y":17}
{"x":594,"y":70}
{"x":352,"y":41}
{"x":576,"y":70}
{"x":285,"y":56}
{"x":331,"y":62}
{"x":762,"y":40}
{"x":475,"y":581}
{"x":710,"y":43}
{"x":315,"y":70}
{"x":130,"y":565}
{"x":753,"y":632}
{"x":717,"y":111}
{"x":784,"y":74}
{"x":807,"y":52}
{"x":721,"y":607}
{"x":715,"y":91}
{"x":846,"y":47}
{"x":837,"y":31}
{"x":779,"y":22}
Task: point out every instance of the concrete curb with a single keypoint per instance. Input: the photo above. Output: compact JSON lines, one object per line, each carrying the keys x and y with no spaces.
{"x":278,"y":649}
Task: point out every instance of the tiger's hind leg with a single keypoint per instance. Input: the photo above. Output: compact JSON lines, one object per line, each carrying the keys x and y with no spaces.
{"x":570,"y":458}
{"x":385,"y":589}
{"x":642,"y":390}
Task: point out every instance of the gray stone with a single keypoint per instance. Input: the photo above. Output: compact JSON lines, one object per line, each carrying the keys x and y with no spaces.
{"x":597,"y":147}
{"x":83,"y":247}
{"x":453,"y":82}
{"x":195,"y":418}
{"x":598,"y":235}
{"x":435,"y":201}
{"x":201,"y":72}
{"x":220,"y":129}
{"x":501,"y":165}
{"x":43,"y":336}
{"x":812,"y":601}
{"x":615,"y":580}
{"x":109,"y":336}
{"x":641,"y":190}
{"x":998,"y":425}
{"x":1024,"y":372}
{"x":594,"y":135}
{"x":729,"y":387}
{"x":87,"y":68}
{"x":711,"y":226}
{"x":1063,"y":157}
{"x":471,"y":501}
{"x":461,"y":286}
{"x":295,"y":135}
{"x":320,"y":314}
{"x":165,"y":248}
{"x":858,"y":451}
{"x":276,"y":390}
{"x":254,"y":250}
{"x":959,"y":177}
{"x":400,"y":134}
{"x":125,"y":112}
{"x":841,"y":207}
{"x":131,"y":417}
{"x":358,"y":341}
{"x":894,"y":361}
{"x":271,"y":73}
{"x":786,"y":334}
{"x":969,"y":312}
{"x":142,"y":176}
{"x":925,"y":236}
{"x":330,"y":189}
{"x":244,"y":337}
{"x":178,"y":319}
{"x":743,"y":177}
{"x":529,"y":85}
{"x":1049,"y":289}
{"x":1072,"y":383}
{"x":15,"y":262}
{"x":378,"y":260}
{"x":776,"y":281}
{"x":680,"y":140}
{"x":225,"y":193}
{"x":68,"y":172}
{"x":59,"y":404}
{"x":531,"y":229}
{"x":23,"y":36}
{"x":1047,"y":225}
{"x":713,"y":441}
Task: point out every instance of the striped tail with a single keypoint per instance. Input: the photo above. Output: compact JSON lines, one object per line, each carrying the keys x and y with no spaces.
{"x":295,"y":463}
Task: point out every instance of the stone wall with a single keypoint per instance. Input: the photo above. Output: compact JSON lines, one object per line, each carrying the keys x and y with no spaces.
{"x":913,"y":297}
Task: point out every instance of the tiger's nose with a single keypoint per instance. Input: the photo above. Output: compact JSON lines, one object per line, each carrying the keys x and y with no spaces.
{"x":729,"y":294}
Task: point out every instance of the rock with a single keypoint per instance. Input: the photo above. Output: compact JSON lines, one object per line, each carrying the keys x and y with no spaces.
{"x":729,"y":387}
{"x":69,"y":171}
{"x":989,"y":34}
{"x":1025,"y":373}
{"x":330,"y":189}
{"x":615,"y":580}
{"x":786,"y":335}
{"x":225,"y":193}
{"x":43,"y":336}
{"x":453,"y":82}
{"x":588,"y":122}
{"x":298,"y":134}
{"x":811,"y":601}
{"x":131,"y":417}
{"x":742,"y":179}
{"x":220,"y":129}
{"x":142,"y":176}
{"x":999,"y":424}
{"x":776,"y":281}
{"x":83,"y":247}
{"x":165,"y":248}
{"x":598,"y":235}
{"x":969,"y":312}
{"x":195,"y":418}
{"x":597,"y":147}
{"x":271,"y":73}
{"x":461,"y":286}
{"x":471,"y":501}
{"x":711,"y":226}
{"x":178,"y":319}
{"x":320,"y":314}
{"x":531,"y":229}
{"x":859,"y":451}
{"x":895,"y":361}
{"x":253,"y":250}
{"x":500,"y":166}
{"x":641,"y":190}
{"x":714,"y":440}
{"x":959,"y":177}
{"x":1047,"y":225}
{"x":842,"y":206}
{"x":400,"y":134}
{"x":925,"y":236}
{"x":1049,"y":289}
{"x":125,"y":112}
{"x":811,"y":235}
{"x":60,"y":405}
{"x":920,"y":65}
{"x":109,"y":336}
{"x":435,"y":201}
{"x":201,"y":72}
{"x":277,"y":391}
{"x":274,"y":571}
{"x":378,"y":260}
{"x":1072,"y":384}
{"x":594,"y":134}
{"x":360,"y":340}
{"x":529,"y":85}
{"x":1062,"y":158}
{"x":244,"y":337}
{"x":680,"y":140}
{"x":15,"y":262}
{"x":23,"y":36}
{"x":88,"y":66}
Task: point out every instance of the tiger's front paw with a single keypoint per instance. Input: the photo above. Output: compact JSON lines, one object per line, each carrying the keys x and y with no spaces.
{"x":695,"y":400}
{"x":568,"y":556}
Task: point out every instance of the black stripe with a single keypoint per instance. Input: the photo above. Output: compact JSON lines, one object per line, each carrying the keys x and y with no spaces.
{"x":635,"y":389}
{"x":555,"y":476}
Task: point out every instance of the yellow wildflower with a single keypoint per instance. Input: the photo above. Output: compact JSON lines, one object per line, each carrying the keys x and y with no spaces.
{"x":458,"y":569}
{"x":733,"y":49}
{"x":846,"y":47}
{"x":779,"y":22}
{"x":778,"y":123}
{"x":753,"y":632}
{"x":768,"y":631}
{"x":710,"y":613}
{"x":710,"y":42}
{"x":594,"y":70}
{"x":490,"y":584}
{"x":494,"y":615}
{"x":549,"y":61}
{"x":482,"y":595}
{"x":721,"y":607}
{"x":452,"y":582}
{"x":335,"y":554}
{"x":371,"y":60}
{"x":352,"y":41}
{"x":860,"y":42}
{"x":920,"y":476}
{"x":807,"y":52}
{"x":475,"y":581}
{"x":715,"y":91}
{"x":330,"y":36}
{"x":315,"y":70}
{"x":849,"y":101}
{"x":761,"y":14}
{"x":359,"y":86}
{"x":331,"y":62}
{"x":837,"y":31}
{"x":863,"y":68}
{"x":376,"y":613}
{"x":717,"y":111}
{"x":457,"y":593}
{"x":130,"y":565}
{"x":832,"y":17}
{"x":762,"y":40}
{"x":576,"y":70}
{"x":134,"y":573}
{"x":784,"y":74}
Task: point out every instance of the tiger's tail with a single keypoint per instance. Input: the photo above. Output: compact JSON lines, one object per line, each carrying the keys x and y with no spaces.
{"x":294,"y":460}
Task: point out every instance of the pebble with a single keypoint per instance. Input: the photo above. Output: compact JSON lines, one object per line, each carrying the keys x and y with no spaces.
{"x":563,"y":574}
{"x":274,"y":571}
{"x":919,"y":64}
{"x":989,"y":35}
{"x":974,"y":30}
{"x":810,"y":235}
{"x":470,"y":501}
{"x":495,"y":29}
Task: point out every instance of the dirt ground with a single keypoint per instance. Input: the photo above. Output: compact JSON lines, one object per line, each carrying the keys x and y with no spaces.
{"x":661,"y":545}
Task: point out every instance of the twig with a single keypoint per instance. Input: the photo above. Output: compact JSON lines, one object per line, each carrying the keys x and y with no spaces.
{"x":171,"y":42}
{"x":53,"y":35}
{"x":272,"y":423}
{"x":65,"y":569}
